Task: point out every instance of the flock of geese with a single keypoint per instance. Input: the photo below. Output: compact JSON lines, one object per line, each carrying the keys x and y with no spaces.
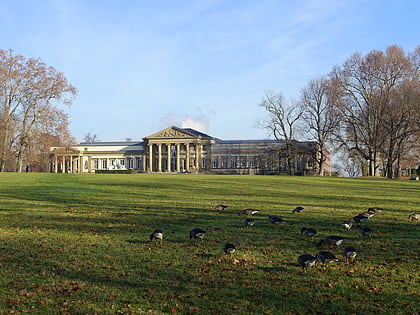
{"x":306,"y":260}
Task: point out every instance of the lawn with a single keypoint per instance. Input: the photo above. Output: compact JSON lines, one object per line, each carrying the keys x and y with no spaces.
{"x":79,"y":244}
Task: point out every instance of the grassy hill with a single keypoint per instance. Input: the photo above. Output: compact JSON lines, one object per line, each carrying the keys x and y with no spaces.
{"x":78,"y":244}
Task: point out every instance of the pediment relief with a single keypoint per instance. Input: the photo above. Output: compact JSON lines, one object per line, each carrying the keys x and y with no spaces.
{"x":171,"y":132}
{"x":65,"y":150}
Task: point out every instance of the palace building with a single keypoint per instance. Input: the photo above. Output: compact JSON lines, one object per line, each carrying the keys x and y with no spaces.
{"x":185,"y":150}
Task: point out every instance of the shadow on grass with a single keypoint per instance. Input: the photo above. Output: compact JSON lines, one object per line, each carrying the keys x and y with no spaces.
{"x":275,"y":269}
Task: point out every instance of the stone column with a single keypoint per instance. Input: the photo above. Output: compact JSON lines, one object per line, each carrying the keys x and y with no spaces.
{"x":56,"y":165}
{"x":198,"y":149}
{"x":150,"y":158}
{"x":63,"y":164}
{"x":71,"y":164}
{"x":187,"y":164}
{"x":178,"y":162}
{"x":169,"y":157}
{"x":159,"y":157}
{"x":90,"y":164}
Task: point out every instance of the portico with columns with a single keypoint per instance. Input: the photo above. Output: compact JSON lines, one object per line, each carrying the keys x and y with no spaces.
{"x":176,"y":150}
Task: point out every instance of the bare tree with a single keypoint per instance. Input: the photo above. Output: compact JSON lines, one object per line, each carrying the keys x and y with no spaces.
{"x":50,"y":131}
{"x":320,"y":115}
{"x":282,"y":123}
{"x":90,"y":138}
{"x":368,"y":86}
{"x":29,"y":90}
{"x":349,"y":164}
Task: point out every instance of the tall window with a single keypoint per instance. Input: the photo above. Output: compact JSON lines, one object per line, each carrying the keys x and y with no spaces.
{"x":104,"y":164}
{"x":138,"y":163}
{"x":244,"y":162}
{"x":95,"y":164}
{"x":130,"y":163}
{"x":215,"y":163}
{"x":234,"y":162}
{"x":225,"y":162}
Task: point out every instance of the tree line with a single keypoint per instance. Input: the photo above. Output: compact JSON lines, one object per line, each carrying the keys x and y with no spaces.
{"x":368,"y":108}
{"x":31,"y":117}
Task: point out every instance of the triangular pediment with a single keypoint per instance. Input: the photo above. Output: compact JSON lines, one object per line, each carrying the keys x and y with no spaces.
{"x":172,"y":133}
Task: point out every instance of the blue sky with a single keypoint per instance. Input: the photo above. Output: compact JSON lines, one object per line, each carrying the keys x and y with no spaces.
{"x":141,"y":66}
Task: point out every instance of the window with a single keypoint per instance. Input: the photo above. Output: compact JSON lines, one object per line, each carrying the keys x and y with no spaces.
{"x":244,"y":162}
{"x":104,"y":164}
{"x":225,"y":162}
{"x":215,"y":163}
{"x":130,"y":163}
{"x":253,"y":163}
{"x":95,"y":164}
{"x":233,"y":162}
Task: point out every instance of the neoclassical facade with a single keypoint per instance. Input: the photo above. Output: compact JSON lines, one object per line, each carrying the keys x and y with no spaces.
{"x":182,"y":150}
{"x":170,"y":150}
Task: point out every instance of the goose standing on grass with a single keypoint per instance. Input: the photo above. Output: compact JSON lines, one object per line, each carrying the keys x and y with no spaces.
{"x":308,"y":232}
{"x":332,"y":240}
{"x":220,"y":208}
{"x":347,"y":225}
{"x":325,"y":258}
{"x":359,"y":219}
{"x":368,"y":214}
{"x":229,"y":249}
{"x":157,"y":235}
{"x":350,"y":254}
{"x":306,"y":260}
{"x":275,"y":219}
{"x":197,"y":233}
{"x":298,"y":210}
{"x":365,"y":231}
{"x":249,"y":211}
{"x":414,"y":217}
{"x":249,"y":222}
{"x":375,"y":209}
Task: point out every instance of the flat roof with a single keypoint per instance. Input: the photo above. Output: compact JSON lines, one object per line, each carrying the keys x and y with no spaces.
{"x":109,"y":143}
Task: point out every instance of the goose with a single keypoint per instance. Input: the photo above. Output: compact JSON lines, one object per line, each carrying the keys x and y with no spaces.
{"x":367,"y":214}
{"x":326,"y":258}
{"x":360,"y":218}
{"x":298,"y":210}
{"x":375,"y":209}
{"x":308,"y":232}
{"x":306,"y":260}
{"x":365,"y":231}
{"x":197,"y":233}
{"x":221,"y":208}
{"x":157,"y":235}
{"x":249,"y":222}
{"x":229,"y":248}
{"x":350,"y":254}
{"x":347,"y":225}
{"x":275,"y":219}
{"x":332,"y":240}
{"x":249,"y":211}
{"x":414,"y":217}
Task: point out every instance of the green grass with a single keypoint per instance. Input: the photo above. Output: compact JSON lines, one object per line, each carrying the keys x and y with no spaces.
{"x":78,"y":244}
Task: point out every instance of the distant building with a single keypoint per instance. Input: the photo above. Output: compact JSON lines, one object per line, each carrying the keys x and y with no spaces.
{"x":178,"y":150}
